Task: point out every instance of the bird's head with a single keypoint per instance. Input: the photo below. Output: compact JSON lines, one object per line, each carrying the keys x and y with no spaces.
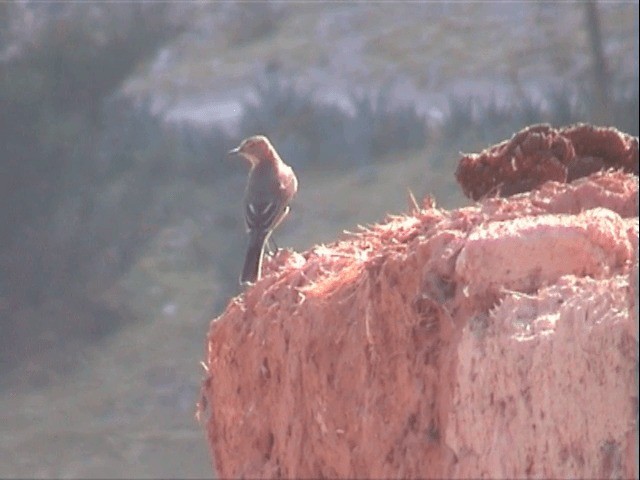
{"x":254,"y":149}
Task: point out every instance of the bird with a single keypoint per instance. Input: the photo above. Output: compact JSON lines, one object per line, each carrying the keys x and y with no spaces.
{"x":271,"y":185}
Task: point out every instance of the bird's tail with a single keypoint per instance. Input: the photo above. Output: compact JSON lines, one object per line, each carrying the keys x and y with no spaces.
{"x":252,"y":269}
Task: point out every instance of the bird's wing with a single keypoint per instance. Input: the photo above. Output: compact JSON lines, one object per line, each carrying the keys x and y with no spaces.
{"x":262,"y":215}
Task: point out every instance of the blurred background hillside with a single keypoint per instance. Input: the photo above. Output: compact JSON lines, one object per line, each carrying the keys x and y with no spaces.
{"x":121,"y":230}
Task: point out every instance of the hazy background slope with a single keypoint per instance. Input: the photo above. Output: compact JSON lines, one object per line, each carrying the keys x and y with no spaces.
{"x":120,"y":230}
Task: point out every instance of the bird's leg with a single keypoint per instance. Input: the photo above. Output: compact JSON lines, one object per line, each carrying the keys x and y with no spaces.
{"x":272,"y":247}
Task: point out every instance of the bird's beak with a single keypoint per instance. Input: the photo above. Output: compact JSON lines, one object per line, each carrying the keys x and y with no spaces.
{"x":233,"y":152}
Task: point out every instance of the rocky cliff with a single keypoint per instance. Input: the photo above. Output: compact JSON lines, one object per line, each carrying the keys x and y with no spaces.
{"x":497,"y":340}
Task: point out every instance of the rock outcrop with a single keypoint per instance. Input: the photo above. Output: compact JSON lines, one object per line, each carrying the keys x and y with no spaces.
{"x":496,"y":340}
{"x":541,"y":153}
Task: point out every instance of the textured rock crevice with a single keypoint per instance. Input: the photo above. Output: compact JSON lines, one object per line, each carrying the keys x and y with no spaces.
{"x":491,"y":341}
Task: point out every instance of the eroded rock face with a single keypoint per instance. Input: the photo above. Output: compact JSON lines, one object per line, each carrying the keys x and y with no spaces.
{"x":551,"y":407}
{"x":541,"y":153}
{"x":491,"y":341}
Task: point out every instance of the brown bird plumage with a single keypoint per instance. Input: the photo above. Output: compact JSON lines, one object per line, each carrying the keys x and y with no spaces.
{"x":270,"y":187}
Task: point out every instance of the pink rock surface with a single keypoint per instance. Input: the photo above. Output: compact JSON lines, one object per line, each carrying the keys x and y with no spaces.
{"x":493,"y":341}
{"x":561,"y":401}
{"x":527,"y":252}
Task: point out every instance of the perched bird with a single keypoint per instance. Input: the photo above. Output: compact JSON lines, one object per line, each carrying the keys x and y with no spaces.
{"x":270,"y":187}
